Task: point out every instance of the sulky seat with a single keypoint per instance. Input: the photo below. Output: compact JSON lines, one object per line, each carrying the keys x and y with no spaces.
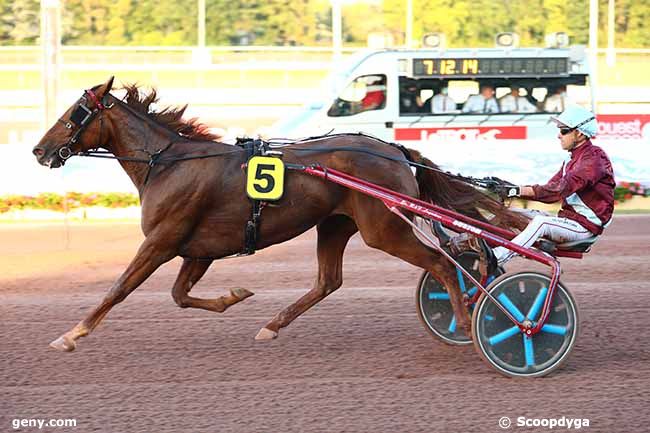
{"x":581,"y":246}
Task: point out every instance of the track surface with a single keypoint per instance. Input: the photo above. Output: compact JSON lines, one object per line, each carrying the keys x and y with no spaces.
{"x":359,"y":361}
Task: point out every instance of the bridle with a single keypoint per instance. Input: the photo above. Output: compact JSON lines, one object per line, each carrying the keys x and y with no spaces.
{"x":80,"y":119}
{"x":83,"y":115}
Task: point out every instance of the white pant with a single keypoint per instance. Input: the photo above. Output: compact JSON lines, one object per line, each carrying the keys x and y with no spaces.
{"x":556,"y":229}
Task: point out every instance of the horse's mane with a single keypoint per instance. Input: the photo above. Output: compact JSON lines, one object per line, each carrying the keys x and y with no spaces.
{"x":169,"y":117}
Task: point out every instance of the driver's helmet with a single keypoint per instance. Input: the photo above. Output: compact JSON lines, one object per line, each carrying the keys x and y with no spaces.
{"x":577,"y":117}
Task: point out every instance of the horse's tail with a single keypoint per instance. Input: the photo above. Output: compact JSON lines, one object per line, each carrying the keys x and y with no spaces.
{"x":451,"y":193}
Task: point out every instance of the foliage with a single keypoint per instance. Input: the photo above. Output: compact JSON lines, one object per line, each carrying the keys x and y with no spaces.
{"x":470,"y":23}
{"x":20,"y":21}
{"x":51,"y":201}
{"x":626,"y":190}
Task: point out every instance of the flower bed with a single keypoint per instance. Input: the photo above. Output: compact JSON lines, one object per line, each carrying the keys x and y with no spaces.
{"x":626,"y":190}
{"x":80,"y":204}
{"x":71,"y":201}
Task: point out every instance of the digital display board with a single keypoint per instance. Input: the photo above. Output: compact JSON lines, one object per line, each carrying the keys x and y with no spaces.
{"x":495,"y":67}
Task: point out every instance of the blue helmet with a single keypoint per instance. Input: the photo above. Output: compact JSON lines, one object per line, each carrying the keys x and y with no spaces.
{"x":577,"y":117}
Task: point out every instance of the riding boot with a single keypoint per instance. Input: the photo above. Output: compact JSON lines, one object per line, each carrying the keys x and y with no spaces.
{"x":488,"y":263}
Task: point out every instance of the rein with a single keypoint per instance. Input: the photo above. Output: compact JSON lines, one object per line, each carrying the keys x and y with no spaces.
{"x":83,"y":115}
{"x":489,"y":182}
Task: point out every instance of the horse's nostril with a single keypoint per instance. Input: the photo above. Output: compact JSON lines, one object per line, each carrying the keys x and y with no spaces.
{"x":38,"y":151}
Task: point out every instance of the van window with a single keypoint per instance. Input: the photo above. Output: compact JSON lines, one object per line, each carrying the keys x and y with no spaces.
{"x":461,"y":90}
{"x":414,"y":97}
{"x":365,"y":93}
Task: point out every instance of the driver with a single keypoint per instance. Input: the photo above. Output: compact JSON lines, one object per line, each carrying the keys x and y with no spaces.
{"x":585,"y":186}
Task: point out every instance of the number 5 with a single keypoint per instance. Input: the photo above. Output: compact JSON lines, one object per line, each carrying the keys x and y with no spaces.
{"x":265,"y":178}
{"x":261,"y":176}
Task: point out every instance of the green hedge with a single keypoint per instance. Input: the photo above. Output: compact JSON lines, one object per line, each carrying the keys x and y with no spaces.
{"x":51,"y":201}
{"x":626,"y":190}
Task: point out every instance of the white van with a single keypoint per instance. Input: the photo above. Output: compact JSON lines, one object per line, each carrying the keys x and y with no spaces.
{"x":476,"y":111}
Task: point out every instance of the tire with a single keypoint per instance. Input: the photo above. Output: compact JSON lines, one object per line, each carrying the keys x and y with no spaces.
{"x":433,"y":305}
{"x":504,"y":346}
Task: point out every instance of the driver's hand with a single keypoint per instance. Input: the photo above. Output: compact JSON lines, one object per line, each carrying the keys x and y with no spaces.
{"x":505,"y":192}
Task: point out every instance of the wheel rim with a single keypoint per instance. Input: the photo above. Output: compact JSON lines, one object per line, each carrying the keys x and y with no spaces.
{"x":505,"y":346}
{"x":435,"y":306}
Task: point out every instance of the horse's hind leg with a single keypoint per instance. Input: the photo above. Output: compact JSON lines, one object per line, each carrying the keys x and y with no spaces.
{"x":191,"y":271}
{"x":399,"y":241}
{"x":333,"y":236}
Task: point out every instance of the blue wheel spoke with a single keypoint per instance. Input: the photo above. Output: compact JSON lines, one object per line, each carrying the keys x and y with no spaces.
{"x":554,"y":329}
{"x":537,"y":304}
{"x":512,"y":308}
{"x":452,"y":325}
{"x":461,"y":280}
{"x":529,"y":351}
{"x":503,"y":335}
{"x":439,"y":296}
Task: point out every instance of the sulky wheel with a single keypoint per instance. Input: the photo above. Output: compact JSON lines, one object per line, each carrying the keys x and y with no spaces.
{"x":434,"y":308}
{"x":502,"y":344}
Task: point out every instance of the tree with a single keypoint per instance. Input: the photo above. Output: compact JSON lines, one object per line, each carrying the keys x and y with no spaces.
{"x":577,"y":13}
{"x":118,"y":16}
{"x":22,"y":22}
{"x":6,"y":23}
{"x":85,"y":21}
{"x":632,"y":19}
{"x":161,"y":22}
{"x":469,"y":23}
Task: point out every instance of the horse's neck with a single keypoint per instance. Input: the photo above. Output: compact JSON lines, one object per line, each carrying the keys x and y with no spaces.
{"x":134,"y":137}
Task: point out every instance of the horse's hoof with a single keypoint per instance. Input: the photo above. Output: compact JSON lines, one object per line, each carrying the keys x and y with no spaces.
{"x":63,"y":344}
{"x":266,"y":334}
{"x":241,"y":294}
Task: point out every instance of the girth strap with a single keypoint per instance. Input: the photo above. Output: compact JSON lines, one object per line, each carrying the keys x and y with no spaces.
{"x":252,"y":228}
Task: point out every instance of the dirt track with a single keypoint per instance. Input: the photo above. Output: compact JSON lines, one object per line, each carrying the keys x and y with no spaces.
{"x":359,"y":361}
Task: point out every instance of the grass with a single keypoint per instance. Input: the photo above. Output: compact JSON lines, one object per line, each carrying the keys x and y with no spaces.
{"x":629,"y":70}
{"x":264,"y":79}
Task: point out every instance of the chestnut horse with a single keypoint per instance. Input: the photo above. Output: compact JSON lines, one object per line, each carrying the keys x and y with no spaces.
{"x":197,"y":207}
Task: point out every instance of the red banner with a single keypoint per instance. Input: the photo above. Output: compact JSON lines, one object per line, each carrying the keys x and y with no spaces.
{"x":623,"y":126}
{"x":465,"y":133}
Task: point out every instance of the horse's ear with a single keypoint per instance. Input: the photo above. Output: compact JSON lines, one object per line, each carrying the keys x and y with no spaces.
{"x":105,"y":88}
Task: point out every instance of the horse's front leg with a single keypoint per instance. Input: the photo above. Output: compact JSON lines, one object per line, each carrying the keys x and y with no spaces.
{"x":148,"y":258}
{"x":191,"y":272}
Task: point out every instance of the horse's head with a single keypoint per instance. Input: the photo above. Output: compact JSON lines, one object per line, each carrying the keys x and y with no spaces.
{"x":77,"y":130}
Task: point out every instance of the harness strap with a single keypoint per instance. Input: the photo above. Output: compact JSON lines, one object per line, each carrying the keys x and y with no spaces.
{"x":96,"y":101}
{"x":153,"y":159}
{"x":251,"y":230}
